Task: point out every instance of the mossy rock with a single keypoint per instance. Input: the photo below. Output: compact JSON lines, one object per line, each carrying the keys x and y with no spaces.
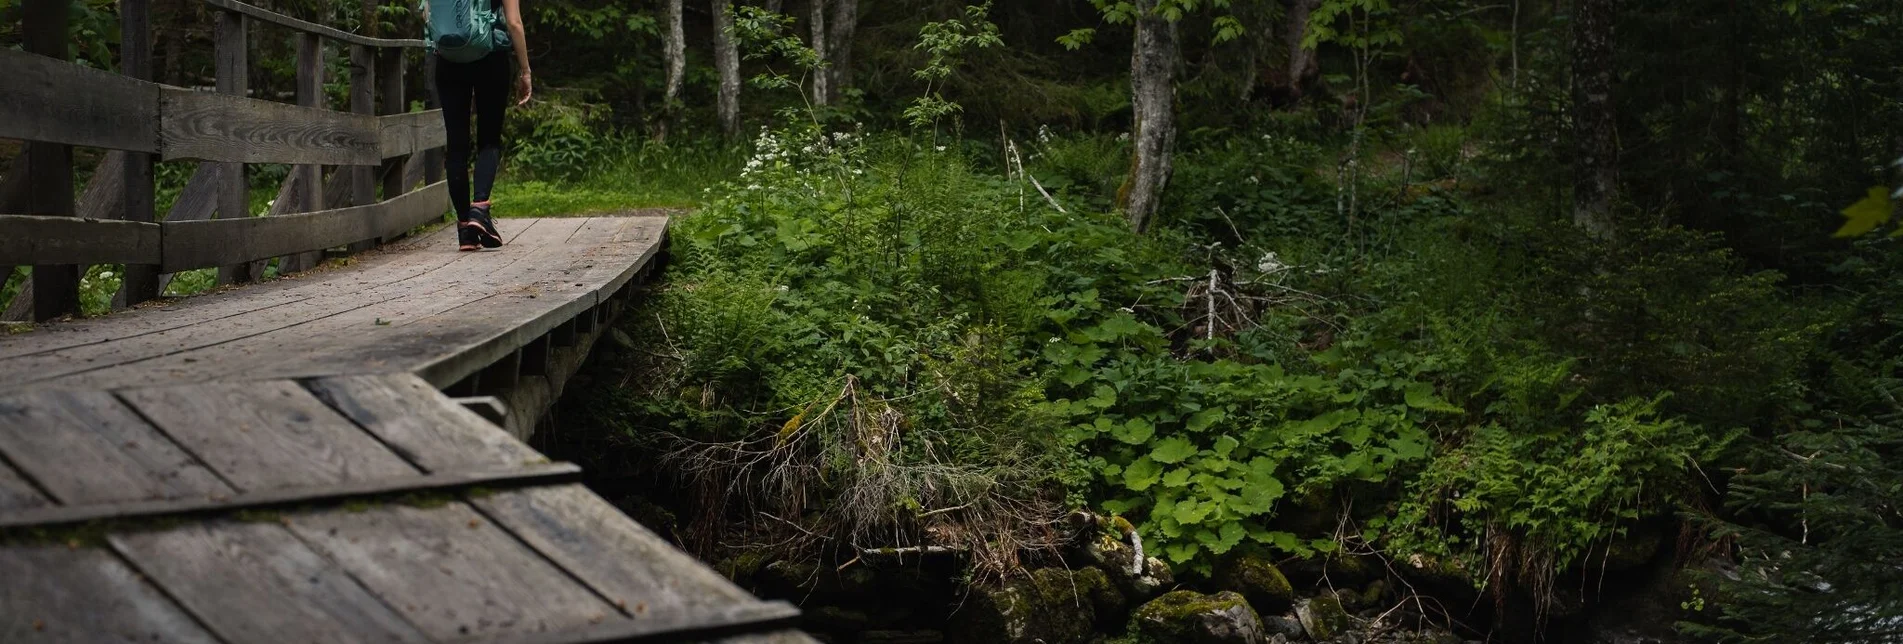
{"x":1259,"y":581}
{"x":1323,"y":618}
{"x":1189,"y":617}
{"x":742,"y":567}
{"x":1052,"y":606}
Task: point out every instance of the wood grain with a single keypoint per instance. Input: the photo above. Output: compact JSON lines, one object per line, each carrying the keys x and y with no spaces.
{"x":16,"y":493}
{"x":615,"y":556}
{"x":85,"y":447}
{"x":57,"y":102}
{"x":267,"y":435}
{"x":216,"y":127}
{"x":31,"y":239}
{"x":256,"y":582}
{"x":410,"y":133}
{"x":219,"y":242}
{"x":309,"y":27}
{"x":84,"y":595}
{"x":451,"y":572}
{"x":422,"y":424}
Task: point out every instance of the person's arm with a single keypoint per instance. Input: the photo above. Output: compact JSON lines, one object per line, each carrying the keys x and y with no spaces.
{"x":512,"y":15}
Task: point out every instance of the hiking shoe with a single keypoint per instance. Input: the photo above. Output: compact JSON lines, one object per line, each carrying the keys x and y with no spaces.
{"x":467,"y":239}
{"x":485,"y":227}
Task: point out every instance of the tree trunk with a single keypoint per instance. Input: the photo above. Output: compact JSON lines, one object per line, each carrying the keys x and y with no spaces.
{"x":1153,"y":84}
{"x":775,"y":6}
{"x":727,"y":60}
{"x":1303,"y":67}
{"x":821,"y":89}
{"x":845,"y":21}
{"x":675,"y":42}
{"x":1596,"y":161}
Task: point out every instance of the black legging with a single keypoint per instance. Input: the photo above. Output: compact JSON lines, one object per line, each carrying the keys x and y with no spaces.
{"x":485,"y":81}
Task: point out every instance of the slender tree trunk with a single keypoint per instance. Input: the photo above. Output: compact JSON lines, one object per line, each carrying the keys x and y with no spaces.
{"x":675,"y":44}
{"x":727,"y":60}
{"x":821,"y":89}
{"x":845,"y":21}
{"x":1153,"y":83}
{"x":1303,"y":67}
{"x":1596,"y":159}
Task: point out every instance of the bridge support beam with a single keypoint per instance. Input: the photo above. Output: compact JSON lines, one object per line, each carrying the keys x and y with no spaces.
{"x":50,"y":173}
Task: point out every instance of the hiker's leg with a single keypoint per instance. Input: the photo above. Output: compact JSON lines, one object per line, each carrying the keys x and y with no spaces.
{"x":492,"y":96}
{"x":454,"y":91}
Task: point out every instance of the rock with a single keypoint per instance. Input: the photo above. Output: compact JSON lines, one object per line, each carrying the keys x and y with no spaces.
{"x":1192,"y":618}
{"x":1323,"y":618}
{"x":1117,"y":558}
{"x":837,"y":619}
{"x":1285,"y":625}
{"x":1051,"y":606}
{"x":1260,"y":582}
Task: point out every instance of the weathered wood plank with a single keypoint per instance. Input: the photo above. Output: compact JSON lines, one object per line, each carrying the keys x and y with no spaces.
{"x":445,"y":481}
{"x":412,"y":132}
{"x":256,"y":582}
{"x":269,"y":435}
{"x":55,"y":287}
{"x":60,"y":594}
{"x":201,"y":244}
{"x":679,"y":626}
{"x":310,"y":177}
{"x":234,"y":73}
{"x":456,"y":575}
{"x":58,"y":102}
{"x":615,"y":556}
{"x":16,"y":494}
{"x":86,"y":447}
{"x":31,"y":239}
{"x":216,"y":127}
{"x":136,"y":183}
{"x":309,"y":27}
{"x":421,"y":424}
{"x":363,"y":100}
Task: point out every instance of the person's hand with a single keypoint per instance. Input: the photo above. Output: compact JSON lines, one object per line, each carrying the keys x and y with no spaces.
{"x":525,"y":87}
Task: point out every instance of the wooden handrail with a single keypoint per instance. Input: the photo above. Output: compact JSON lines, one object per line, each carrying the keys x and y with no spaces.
{"x":310,"y":27}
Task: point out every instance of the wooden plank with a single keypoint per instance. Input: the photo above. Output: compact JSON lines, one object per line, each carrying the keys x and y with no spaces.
{"x":452,"y":573}
{"x":309,"y":27}
{"x":615,"y":556}
{"x":201,"y":244}
{"x":215,"y":127}
{"x":55,"y":287}
{"x":679,"y":626}
{"x":390,"y":78}
{"x":363,"y":100}
{"x":16,"y":493}
{"x":234,"y":74}
{"x":267,"y":435}
{"x":85,"y":447}
{"x":104,"y":198}
{"x":310,"y":177}
{"x":256,"y":582}
{"x":422,"y":424}
{"x":31,"y":239}
{"x":411,"y":133}
{"x":181,"y":507}
{"x":59,"y":594}
{"x":136,"y":183}
{"x":53,"y":101}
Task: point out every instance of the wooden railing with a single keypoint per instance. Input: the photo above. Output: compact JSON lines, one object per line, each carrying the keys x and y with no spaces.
{"x":55,"y":105}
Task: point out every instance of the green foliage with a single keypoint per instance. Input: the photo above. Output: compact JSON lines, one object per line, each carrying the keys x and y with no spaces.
{"x":557,"y":139}
{"x":946,"y":41}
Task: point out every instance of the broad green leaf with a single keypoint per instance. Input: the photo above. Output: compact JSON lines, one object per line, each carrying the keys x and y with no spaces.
{"x":1202,"y":420}
{"x":1420,"y":395}
{"x":1226,"y":445}
{"x":1232,"y":534}
{"x":1181,"y":552}
{"x":1142,"y":474}
{"x":1135,"y":431}
{"x":1864,"y":216}
{"x":1173,"y":450}
{"x":1191,"y":512}
{"x":1176,"y":478}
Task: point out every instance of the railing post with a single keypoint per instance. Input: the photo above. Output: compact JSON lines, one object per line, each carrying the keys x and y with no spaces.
{"x":310,"y":177}
{"x":390,"y":74}
{"x":50,"y":174}
{"x":233,"y":68}
{"x":363,"y":100}
{"x":141,"y":282}
{"x":433,"y":157}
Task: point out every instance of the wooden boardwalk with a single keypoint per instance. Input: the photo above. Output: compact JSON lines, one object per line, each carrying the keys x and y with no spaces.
{"x":277,"y":463}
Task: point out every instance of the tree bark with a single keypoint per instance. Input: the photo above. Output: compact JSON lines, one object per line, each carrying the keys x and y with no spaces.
{"x":822,"y":90}
{"x":1303,"y":67}
{"x":775,"y":6}
{"x":675,"y":43}
{"x":1153,"y":84}
{"x":845,"y":21}
{"x":727,"y":60}
{"x":1596,"y":158}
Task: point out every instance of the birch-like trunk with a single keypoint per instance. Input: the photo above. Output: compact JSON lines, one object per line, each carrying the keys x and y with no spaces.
{"x":845,"y":21}
{"x":1595,"y":133}
{"x":1153,"y":84}
{"x":1303,"y":67}
{"x":727,"y":60}
{"x":675,"y":44}
{"x":821,"y":89}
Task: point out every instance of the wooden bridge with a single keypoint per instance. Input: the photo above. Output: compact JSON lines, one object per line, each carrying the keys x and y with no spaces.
{"x":335,"y":455}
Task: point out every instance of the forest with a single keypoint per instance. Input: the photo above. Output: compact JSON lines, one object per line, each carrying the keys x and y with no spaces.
{"x":1222,"y":320}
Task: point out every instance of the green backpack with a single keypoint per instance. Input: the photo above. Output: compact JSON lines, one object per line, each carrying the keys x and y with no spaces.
{"x":464,"y":31}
